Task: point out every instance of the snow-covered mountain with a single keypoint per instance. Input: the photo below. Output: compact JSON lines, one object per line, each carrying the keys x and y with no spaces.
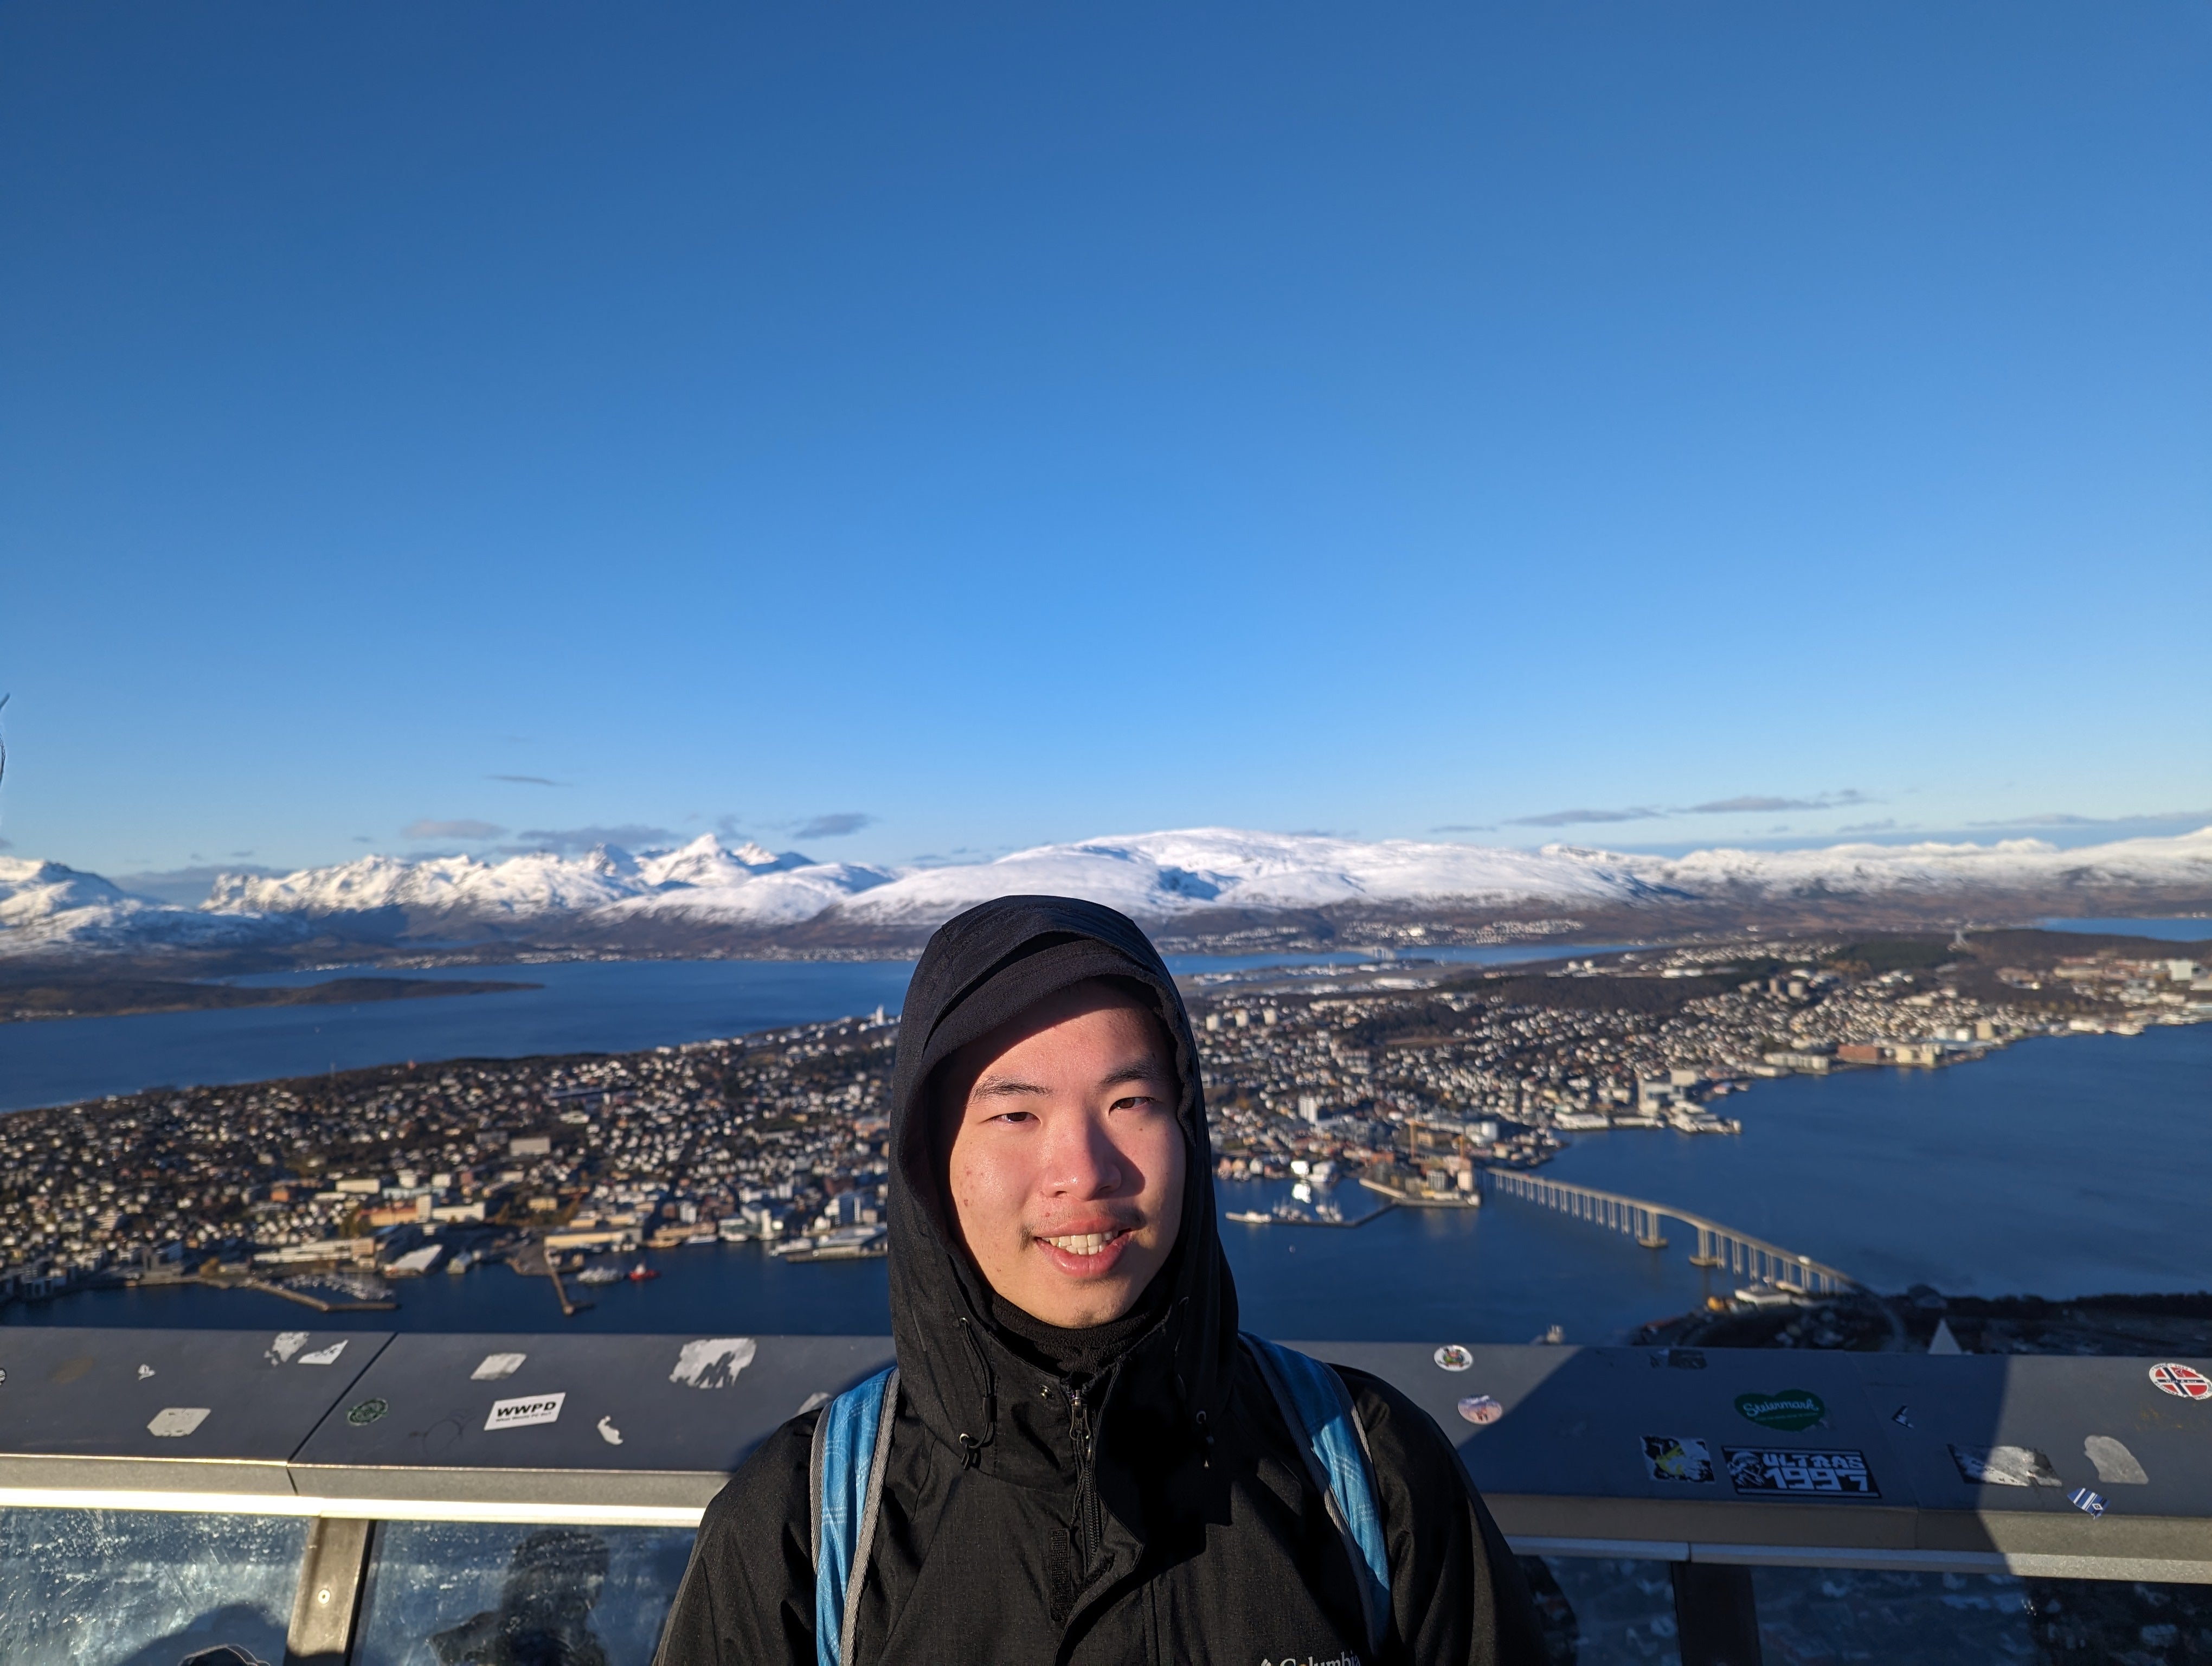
{"x":45,"y":908}
{"x":705,"y":888}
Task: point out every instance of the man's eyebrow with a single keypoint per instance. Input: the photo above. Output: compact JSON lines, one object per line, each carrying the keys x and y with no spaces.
{"x":993,"y":1086}
{"x":1145,"y":1070}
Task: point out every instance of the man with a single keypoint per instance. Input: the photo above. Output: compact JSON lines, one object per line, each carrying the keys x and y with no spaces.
{"x":1085,"y":1464}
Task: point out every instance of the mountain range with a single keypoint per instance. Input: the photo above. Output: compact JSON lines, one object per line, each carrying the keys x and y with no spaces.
{"x":1195,"y":885}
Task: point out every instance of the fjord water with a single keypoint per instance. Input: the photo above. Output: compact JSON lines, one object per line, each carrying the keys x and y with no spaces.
{"x":578,"y":1007}
{"x":2062,"y":1166}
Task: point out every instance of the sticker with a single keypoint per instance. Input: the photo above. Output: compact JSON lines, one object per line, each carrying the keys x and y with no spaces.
{"x":819,"y":1397}
{"x":367,"y":1412}
{"x":1481,"y":1408}
{"x":713,"y":1363}
{"x":2185,"y":1381}
{"x":328,"y":1356}
{"x":145,"y":1371}
{"x":2089,"y":1503}
{"x":522,"y":1413}
{"x":1452,"y":1357}
{"x":496,"y":1366}
{"x":288,"y":1343}
{"x":1789,"y":1409}
{"x":1900,"y":1417}
{"x":1670,"y":1457}
{"x":608,"y":1432}
{"x":2116,"y":1465}
{"x":1765,"y":1469}
{"x":2004,"y":1466}
{"x":4,"y":1376}
{"x":173,"y":1421}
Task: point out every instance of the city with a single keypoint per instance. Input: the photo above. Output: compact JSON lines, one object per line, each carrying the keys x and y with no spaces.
{"x":1409,"y":1075}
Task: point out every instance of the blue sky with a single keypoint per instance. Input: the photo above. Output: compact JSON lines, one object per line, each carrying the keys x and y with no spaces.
{"x":911,"y":433}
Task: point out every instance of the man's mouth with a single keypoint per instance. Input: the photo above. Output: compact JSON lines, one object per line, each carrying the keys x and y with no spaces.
{"x":1088,"y":1243}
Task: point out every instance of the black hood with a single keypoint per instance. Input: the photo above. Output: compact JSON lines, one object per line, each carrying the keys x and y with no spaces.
{"x":956,"y":1363}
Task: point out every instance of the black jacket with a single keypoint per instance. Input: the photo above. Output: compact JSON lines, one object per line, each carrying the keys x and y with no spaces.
{"x":1182,"y":1529}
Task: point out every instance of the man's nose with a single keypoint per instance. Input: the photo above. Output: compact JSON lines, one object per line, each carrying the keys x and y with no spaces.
{"x":1084,"y":1162}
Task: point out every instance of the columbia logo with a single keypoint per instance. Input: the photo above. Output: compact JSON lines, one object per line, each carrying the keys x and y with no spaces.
{"x":1333,"y":1660}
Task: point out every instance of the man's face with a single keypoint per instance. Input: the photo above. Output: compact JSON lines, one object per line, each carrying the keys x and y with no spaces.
{"x":1066,"y":1158}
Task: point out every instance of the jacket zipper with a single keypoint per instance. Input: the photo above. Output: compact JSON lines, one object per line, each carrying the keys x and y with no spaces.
{"x":1090,"y":1530}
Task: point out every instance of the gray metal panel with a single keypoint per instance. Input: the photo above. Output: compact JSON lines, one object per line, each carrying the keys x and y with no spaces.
{"x":429,"y":1438}
{"x":81,"y":1408}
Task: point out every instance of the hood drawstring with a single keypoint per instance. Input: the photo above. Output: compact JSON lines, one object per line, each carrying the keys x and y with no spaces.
{"x":971,"y":1449}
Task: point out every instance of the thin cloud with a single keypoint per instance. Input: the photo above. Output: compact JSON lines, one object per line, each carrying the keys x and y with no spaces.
{"x":569,"y":840}
{"x":187,"y":887}
{"x":528,"y":780}
{"x":730,"y":827}
{"x":835,"y":825}
{"x":1466,"y":827}
{"x":1568,"y":817}
{"x":2060,"y":818}
{"x":1757,"y":804}
{"x":1886,"y":825}
{"x":463,"y":828}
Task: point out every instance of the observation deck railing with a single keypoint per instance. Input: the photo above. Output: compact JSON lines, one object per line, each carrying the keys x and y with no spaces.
{"x":1716,"y":1461}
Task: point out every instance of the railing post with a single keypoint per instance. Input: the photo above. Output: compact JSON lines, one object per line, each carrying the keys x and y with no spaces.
{"x":1716,"y":1615}
{"x":328,"y":1600}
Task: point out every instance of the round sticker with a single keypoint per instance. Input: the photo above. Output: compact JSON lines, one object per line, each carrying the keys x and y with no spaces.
{"x":1452,"y":1357}
{"x":1481,"y":1408}
{"x":2185,"y":1381}
{"x":366,"y":1412}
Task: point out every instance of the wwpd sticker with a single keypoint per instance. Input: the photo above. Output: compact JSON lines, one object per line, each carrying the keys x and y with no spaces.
{"x":1767,"y":1469}
{"x":522,"y":1413}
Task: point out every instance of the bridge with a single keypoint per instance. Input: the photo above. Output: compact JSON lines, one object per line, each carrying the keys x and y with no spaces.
{"x":1717,"y":1245}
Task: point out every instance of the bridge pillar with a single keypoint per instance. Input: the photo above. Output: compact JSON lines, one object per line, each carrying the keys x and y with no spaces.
{"x":1705,"y":1257}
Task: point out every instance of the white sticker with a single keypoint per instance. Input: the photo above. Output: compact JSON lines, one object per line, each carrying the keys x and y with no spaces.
{"x":288,"y":1343}
{"x":145,"y":1371}
{"x":819,"y":1397}
{"x":173,"y":1421}
{"x":608,"y":1432}
{"x":2004,"y":1466}
{"x":522,"y":1413}
{"x":1481,"y":1408}
{"x":1453,"y":1357}
{"x":496,"y":1366}
{"x":328,"y":1356}
{"x":713,"y":1363}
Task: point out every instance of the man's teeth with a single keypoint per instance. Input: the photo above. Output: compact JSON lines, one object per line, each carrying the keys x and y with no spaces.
{"x":1087,"y":1244}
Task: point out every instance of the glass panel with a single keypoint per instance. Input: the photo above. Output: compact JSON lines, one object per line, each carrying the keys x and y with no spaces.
{"x":2119,"y":1620}
{"x":143,"y":1587}
{"x":444,"y":1594}
{"x":1808,"y":1614}
{"x":1600,"y":1612}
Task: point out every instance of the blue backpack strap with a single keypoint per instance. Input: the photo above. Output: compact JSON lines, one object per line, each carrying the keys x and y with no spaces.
{"x":852,"y":1441}
{"x":1318,"y":1408}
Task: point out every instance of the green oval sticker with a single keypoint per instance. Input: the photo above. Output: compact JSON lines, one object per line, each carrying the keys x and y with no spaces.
{"x":1785,"y":1408}
{"x":366,"y":1412}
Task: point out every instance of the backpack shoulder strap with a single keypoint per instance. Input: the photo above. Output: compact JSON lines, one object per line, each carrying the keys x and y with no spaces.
{"x":1318,"y":1408}
{"x":852,"y":1440}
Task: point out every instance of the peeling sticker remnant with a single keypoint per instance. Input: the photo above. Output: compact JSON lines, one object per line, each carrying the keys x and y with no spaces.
{"x":1452,"y":1357}
{"x":1481,"y":1408}
{"x":172,"y":1421}
{"x":2004,"y":1466}
{"x":1766,"y":1469}
{"x":1902,"y":1417}
{"x":2187,"y":1381}
{"x":493,"y":1366}
{"x":714,"y":1362}
{"x":608,"y":1432}
{"x":522,"y":1413}
{"x":1671,"y":1457}
{"x":145,"y":1371}
{"x":328,"y":1356}
{"x":819,"y":1397}
{"x":288,"y":1343}
{"x":2089,"y":1503}
{"x":2116,"y":1465}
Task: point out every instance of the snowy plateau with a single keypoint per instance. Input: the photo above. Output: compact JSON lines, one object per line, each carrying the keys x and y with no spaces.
{"x":708,"y":897}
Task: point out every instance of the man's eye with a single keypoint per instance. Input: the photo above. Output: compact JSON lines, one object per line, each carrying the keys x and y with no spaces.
{"x":1015,"y":1117}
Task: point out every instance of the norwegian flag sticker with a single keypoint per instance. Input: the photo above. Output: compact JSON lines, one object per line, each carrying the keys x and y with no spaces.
{"x":2185,"y":1382}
